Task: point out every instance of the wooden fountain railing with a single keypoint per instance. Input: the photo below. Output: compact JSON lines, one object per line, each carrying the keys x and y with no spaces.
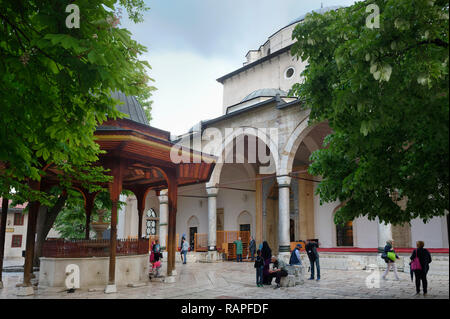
{"x":61,"y":248}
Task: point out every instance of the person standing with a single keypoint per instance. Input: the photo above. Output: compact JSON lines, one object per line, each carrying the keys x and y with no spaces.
{"x":313,"y":256}
{"x":259,"y":265}
{"x":183,"y":238}
{"x":252,"y":248}
{"x":238,"y":244}
{"x":156,"y":265}
{"x":390,"y":256}
{"x":421,"y":270}
{"x":184,"y":250}
{"x":152,"y":252}
{"x":156,"y":247}
{"x":266,"y":254}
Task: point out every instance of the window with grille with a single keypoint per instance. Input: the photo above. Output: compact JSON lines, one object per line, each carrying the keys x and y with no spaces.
{"x":151,"y":223}
{"x":18,"y":219}
{"x":16,"y":241}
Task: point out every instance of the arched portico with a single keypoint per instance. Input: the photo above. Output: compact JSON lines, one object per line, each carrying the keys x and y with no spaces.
{"x":241,"y":147}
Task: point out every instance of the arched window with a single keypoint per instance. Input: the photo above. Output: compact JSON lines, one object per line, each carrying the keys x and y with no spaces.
{"x":151,"y":223}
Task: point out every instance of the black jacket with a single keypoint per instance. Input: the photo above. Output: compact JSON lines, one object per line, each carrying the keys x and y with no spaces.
{"x":259,"y":262}
{"x":311,"y":250}
{"x":424,"y":258}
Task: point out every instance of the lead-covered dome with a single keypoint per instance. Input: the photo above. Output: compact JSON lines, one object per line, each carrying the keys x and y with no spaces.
{"x":131,"y":107}
{"x":265,"y":93}
{"x":319,"y":11}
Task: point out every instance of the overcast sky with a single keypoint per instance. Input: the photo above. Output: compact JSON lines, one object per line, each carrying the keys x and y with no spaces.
{"x":192,"y":43}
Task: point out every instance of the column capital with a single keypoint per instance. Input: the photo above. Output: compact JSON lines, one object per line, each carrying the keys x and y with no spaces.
{"x":212,"y":191}
{"x":163,"y":197}
{"x":284,"y":181}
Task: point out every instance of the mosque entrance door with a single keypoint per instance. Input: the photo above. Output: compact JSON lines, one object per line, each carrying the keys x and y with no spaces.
{"x":192,"y":232}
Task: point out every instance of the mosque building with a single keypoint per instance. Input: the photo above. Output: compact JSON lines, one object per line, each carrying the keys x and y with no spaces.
{"x":273,"y":197}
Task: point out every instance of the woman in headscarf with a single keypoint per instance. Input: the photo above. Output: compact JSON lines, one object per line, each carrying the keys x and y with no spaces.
{"x":266,"y":254}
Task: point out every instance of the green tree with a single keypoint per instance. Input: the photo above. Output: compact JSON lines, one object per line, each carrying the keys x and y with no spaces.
{"x":384,"y":92}
{"x":55,"y":85}
{"x":71,"y":221}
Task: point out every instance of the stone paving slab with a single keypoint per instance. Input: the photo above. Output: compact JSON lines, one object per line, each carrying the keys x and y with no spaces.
{"x":237,"y":280}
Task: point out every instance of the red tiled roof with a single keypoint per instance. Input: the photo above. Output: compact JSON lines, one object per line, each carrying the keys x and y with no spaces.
{"x":20,"y":206}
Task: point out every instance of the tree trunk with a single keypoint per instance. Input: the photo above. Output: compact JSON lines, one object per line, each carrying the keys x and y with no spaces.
{"x":46,"y":219}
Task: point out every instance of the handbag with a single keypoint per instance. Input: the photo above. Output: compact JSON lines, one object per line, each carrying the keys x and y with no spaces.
{"x":391,"y":255}
{"x":415,"y":264}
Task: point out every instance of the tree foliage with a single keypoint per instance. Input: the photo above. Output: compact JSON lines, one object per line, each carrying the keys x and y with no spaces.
{"x":55,"y":85}
{"x":71,"y":221}
{"x":384,"y":93}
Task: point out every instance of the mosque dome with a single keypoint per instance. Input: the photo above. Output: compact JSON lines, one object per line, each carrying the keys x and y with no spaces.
{"x":265,"y":93}
{"x":131,"y":107}
{"x":320,"y":11}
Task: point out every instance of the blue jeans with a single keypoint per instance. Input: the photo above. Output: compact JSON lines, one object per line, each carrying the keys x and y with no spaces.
{"x":184,"y":256}
{"x":316,"y":261}
{"x":259,"y":275}
{"x":239,"y":257}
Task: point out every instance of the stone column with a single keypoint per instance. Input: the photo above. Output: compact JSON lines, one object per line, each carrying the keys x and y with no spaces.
{"x":283,"y":213}
{"x":163,"y":218}
{"x":384,"y":234}
{"x":212,"y":217}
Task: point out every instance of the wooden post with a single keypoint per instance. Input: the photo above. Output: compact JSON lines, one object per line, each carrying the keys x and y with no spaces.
{"x":29,"y":250}
{"x":2,"y":235}
{"x":115,"y":188}
{"x":140,"y":196}
{"x":172,"y":192}
{"x":88,"y":206}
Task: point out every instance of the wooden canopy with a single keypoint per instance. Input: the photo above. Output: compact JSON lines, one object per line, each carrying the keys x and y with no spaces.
{"x":139,"y":159}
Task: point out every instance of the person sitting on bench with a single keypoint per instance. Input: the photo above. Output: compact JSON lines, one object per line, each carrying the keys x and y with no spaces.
{"x":278,"y":271}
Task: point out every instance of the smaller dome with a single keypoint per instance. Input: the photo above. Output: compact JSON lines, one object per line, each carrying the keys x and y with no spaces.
{"x":319,"y":11}
{"x":131,"y":107}
{"x":265,"y":93}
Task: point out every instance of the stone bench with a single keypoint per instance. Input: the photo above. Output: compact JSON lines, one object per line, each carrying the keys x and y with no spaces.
{"x":295,"y":276}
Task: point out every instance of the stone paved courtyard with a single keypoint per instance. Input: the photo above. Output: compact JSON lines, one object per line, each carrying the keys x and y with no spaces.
{"x":237,"y":280}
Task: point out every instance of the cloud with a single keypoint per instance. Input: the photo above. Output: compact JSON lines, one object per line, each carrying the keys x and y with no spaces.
{"x":187,"y":90}
{"x":192,"y":43}
{"x":213,"y":28}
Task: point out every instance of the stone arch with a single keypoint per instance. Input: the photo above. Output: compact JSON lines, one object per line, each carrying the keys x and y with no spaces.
{"x":229,"y":139}
{"x":245,"y":218}
{"x":193,"y":222}
{"x":292,"y":145}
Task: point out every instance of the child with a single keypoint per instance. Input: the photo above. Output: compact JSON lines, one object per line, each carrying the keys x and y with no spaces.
{"x":259,"y":265}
